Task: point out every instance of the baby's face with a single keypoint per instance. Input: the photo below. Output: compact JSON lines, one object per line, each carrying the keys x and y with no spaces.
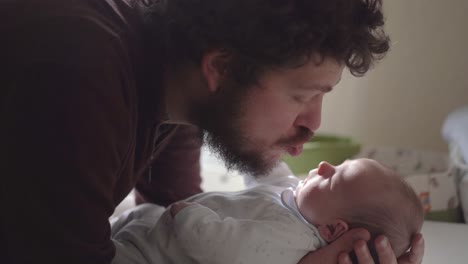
{"x":328,"y":191}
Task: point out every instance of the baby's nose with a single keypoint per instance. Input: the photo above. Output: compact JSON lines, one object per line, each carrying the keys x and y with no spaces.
{"x":325,"y":169}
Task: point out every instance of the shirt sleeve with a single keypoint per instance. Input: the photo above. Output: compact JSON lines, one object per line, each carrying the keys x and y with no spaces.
{"x":176,"y":170}
{"x":208,"y":238}
{"x":64,"y":134}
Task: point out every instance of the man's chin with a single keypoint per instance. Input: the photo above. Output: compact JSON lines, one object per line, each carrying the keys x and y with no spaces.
{"x":254,"y":165}
{"x":267,"y":164}
{"x":255,"y":162}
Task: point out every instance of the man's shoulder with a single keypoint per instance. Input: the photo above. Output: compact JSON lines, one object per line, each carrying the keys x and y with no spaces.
{"x":22,"y":12}
{"x":54,"y":24}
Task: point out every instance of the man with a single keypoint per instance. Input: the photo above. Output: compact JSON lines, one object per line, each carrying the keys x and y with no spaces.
{"x":98,"y":97}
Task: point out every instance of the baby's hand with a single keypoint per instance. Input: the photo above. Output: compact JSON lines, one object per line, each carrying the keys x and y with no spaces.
{"x":178,"y":206}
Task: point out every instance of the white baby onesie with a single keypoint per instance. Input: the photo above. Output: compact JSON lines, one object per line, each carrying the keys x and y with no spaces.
{"x":257,"y":225}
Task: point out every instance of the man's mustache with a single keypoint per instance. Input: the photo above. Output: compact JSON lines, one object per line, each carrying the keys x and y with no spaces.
{"x":303,"y":135}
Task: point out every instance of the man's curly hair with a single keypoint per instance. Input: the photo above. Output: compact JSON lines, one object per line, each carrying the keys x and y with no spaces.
{"x":266,"y":34}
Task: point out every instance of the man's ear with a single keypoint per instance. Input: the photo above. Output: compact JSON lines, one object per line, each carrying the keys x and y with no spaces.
{"x":214,"y":66}
{"x":332,"y":231}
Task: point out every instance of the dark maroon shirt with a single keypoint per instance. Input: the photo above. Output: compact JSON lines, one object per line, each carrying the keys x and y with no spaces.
{"x":81,"y":112}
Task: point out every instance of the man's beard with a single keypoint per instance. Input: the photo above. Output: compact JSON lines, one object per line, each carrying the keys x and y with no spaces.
{"x":222,"y":118}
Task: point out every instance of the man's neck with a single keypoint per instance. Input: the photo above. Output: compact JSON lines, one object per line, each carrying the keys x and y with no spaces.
{"x":183,"y":86}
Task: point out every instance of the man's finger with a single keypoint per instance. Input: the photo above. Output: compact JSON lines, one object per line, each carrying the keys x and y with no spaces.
{"x":346,"y":242}
{"x":362,"y":253}
{"x":330,"y":253}
{"x":344,"y":259}
{"x":415,"y":255}
{"x":384,"y":250}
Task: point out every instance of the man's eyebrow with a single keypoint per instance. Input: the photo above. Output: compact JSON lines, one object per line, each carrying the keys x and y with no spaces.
{"x":322,"y":88}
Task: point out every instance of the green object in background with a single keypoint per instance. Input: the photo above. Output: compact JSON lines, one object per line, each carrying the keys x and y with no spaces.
{"x":333,"y":149}
{"x":454,"y":215}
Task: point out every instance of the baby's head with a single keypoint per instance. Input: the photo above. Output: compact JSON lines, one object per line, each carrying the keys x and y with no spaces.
{"x":360,"y":193}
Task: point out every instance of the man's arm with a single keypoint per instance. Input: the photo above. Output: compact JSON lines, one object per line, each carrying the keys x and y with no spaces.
{"x":63,"y":135}
{"x":176,"y":170}
{"x":355,"y":239}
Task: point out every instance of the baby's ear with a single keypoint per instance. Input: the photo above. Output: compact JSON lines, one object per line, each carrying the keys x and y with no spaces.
{"x":334,"y":230}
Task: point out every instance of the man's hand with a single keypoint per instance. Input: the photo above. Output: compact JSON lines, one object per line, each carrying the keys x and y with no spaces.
{"x":339,"y":250}
{"x":330,"y":253}
{"x":415,"y":255}
{"x":178,"y":206}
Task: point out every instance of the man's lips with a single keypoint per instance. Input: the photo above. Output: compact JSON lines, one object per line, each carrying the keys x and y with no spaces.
{"x":294,"y":147}
{"x":294,"y":150}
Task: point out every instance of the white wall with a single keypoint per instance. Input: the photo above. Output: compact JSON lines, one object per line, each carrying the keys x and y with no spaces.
{"x":404,"y":100}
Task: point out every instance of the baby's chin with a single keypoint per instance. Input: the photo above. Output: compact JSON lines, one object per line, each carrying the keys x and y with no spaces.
{"x":302,"y":207}
{"x":311,"y":218}
{"x":299,"y":199}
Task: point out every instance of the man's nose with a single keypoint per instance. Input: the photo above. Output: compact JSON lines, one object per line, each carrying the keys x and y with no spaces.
{"x":311,"y":116}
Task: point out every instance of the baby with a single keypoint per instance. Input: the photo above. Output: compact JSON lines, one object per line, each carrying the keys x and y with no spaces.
{"x":277,"y":221}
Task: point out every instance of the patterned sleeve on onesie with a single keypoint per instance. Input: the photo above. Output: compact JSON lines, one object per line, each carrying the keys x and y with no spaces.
{"x":209,"y":239}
